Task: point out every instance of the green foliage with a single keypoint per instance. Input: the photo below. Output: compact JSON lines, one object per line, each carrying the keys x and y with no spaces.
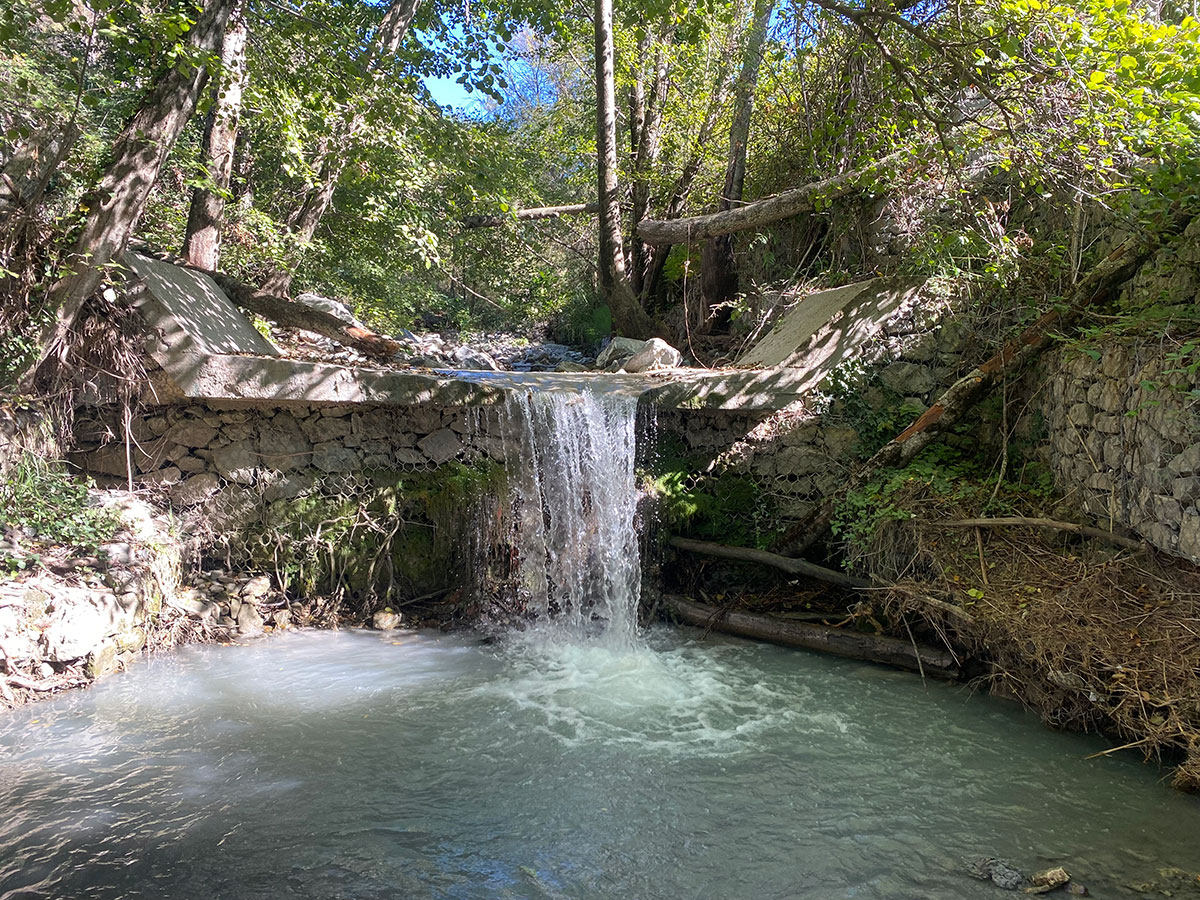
{"x":49,"y":507}
{"x":383,"y":535}
{"x":876,"y":412}
{"x":727,"y":507}
{"x":943,"y":475}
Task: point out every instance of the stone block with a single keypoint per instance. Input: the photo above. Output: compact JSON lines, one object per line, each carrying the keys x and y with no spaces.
{"x":1189,"y":535}
{"x":441,"y":446}
{"x":1080,"y":415}
{"x":840,"y":440}
{"x":195,"y":490}
{"x":322,"y":429}
{"x":1186,"y":490}
{"x":423,"y":419}
{"x":907,"y":378}
{"x":282,"y":444}
{"x":373,"y":424}
{"x":800,"y":461}
{"x":192,"y":433}
{"x":332,"y":457}
{"x":1114,"y":454}
{"x":191,"y":465}
{"x":236,"y":462}
{"x":285,"y":487}
{"x":1187,"y":462}
{"x":1167,"y":509}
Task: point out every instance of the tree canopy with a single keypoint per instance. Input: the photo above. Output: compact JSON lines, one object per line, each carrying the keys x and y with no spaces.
{"x":988,"y":124}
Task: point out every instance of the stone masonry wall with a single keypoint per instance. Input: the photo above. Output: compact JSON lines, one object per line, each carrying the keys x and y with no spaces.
{"x":195,"y":451}
{"x":1124,"y":432}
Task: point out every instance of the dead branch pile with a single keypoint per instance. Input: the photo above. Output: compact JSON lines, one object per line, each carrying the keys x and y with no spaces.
{"x":1092,"y":636}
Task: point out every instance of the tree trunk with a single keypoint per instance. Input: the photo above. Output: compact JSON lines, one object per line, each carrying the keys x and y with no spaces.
{"x":646,"y":144}
{"x":657,"y":256}
{"x":290,"y":314}
{"x":627,"y":314}
{"x":889,"y":651}
{"x":719,"y":278}
{"x":317,"y":199}
{"x":115,"y":205}
{"x":202,"y":240}
{"x":784,"y":563}
{"x":28,"y":171}
{"x":763,"y":212}
{"x":531,"y":214}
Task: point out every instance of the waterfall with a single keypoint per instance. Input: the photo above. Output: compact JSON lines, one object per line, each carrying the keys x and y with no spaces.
{"x":574,"y":493}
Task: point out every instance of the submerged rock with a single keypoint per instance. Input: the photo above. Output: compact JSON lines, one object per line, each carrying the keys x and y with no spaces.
{"x":997,"y":871}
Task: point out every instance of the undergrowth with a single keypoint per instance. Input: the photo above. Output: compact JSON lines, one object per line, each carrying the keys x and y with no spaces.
{"x":43,"y":505}
{"x":727,"y":507}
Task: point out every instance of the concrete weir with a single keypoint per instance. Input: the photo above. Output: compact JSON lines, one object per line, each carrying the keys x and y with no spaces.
{"x":207,"y":350}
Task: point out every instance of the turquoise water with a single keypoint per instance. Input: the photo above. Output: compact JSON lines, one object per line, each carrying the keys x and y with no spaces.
{"x":361,"y":765}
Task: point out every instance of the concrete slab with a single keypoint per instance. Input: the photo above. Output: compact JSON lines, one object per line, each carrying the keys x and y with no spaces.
{"x":208,"y":350}
{"x":243,"y":380}
{"x":828,"y":328}
{"x":191,"y":314}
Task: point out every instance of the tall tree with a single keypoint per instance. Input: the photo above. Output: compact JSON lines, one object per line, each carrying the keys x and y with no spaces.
{"x":627,"y":314}
{"x":202,"y":240}
{"x":137,"y":157}
{"x":334,"y":149}
{"x":719,"y":279}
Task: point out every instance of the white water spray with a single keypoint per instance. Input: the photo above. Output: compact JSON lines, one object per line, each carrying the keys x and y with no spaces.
{"x":575,"y":492}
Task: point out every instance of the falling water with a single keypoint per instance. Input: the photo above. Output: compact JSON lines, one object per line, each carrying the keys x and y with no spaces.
{"x":571,"y":462}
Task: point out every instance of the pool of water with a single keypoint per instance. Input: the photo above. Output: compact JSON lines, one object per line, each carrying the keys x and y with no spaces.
{"x":361,"y":765}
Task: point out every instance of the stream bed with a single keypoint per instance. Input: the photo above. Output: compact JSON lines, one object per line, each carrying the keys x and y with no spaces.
{"x":401,"y":765}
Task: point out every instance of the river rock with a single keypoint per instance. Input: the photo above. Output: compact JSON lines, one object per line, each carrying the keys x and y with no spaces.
{"x":78,"y":625}
{"x":331,"y":307}
{"x":257,"y":587}
{"x":476,"y":360}
{"x":655,"y":354}
{"x":997,"y":871}
{"x":567,"y":366}
{"x":1048,"y":880}
{"x":249,"y":622}
{"x":386,"y":620}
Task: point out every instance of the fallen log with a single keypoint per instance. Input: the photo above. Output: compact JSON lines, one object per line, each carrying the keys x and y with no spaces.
{"x":1023,"y":522}
{"x":785,"y":563}
{"x":290,"y":314}
{"x":821,"y":573}
{"x":531,"y":214}
{"x":836,"y":641}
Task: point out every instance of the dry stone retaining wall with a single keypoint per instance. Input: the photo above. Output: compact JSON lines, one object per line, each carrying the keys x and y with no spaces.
{"x":1124,"y":432}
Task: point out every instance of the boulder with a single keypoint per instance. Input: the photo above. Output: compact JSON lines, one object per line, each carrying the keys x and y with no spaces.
{"x":475,"y":360}
{"x":386,"y":620}
{"x":655,"y":354}
{"x":332,"y":307}
{"x":618,"y":349}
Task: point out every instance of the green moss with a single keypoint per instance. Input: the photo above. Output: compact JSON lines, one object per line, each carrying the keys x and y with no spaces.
{"x":388,"y":534}
{"x":728,"y":507}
